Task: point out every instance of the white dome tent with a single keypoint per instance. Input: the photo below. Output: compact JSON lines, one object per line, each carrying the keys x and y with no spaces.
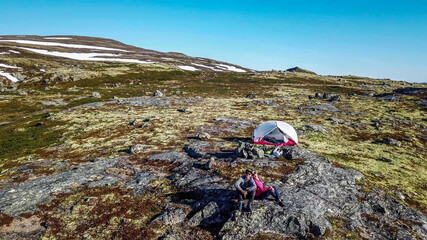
{"x":275,"y":133}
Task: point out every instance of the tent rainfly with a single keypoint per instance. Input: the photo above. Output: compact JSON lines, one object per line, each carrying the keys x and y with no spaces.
{"x":275,"y":133}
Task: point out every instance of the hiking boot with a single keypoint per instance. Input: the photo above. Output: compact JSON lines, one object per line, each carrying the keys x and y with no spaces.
{"x":240,"y":206}
{"x":280,"y":203}
{"x":249,"y":207}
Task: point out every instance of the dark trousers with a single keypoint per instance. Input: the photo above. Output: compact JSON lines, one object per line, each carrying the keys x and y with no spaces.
{"x":250,"y":196}
{"x":265,"y":194}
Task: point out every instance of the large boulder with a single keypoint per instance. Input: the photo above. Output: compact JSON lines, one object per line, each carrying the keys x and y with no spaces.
{"x":248,"y":150}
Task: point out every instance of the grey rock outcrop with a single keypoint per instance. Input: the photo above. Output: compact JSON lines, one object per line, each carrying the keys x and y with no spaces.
{"x":25,"y":196}
{"x":140,"y":182}
{"x":318,"y":109}
{"x":171,"y":216}
{"x":314,"y":195}
{"x":195,"y":149}
{"x":314,"y":128}
{"x":171,"y":156}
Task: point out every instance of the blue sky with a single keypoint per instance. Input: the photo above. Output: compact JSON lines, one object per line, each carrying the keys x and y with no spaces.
{"x":385,"y":39}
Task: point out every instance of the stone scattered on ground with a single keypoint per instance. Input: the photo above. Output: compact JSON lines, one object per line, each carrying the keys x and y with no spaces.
{"x":134,"y":122}
{"x":203,"y":136}
{"x":391,"y":141}
{"x":383,"y":159}
{"x":326,"y":96}
{"x":96,"y":95}
{"x":150,"y":118}
{"x":137,"y":148}
{"x":335,"y":120}
{"x":377,"y":124}
{"x":251,"y":96}
{"x":158,"y":93}
{"x":183,"y":109}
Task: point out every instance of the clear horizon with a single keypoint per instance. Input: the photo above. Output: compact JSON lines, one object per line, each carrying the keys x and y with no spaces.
{"x":378,"y":39}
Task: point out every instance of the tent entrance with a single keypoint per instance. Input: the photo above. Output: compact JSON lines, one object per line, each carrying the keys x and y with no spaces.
{"x":276,"y":136}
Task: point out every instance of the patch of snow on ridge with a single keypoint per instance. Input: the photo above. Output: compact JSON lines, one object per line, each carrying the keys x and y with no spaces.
{"x":62,"y":45}
{"x":4,"y":53}
{"x":7,"y":66}
{"x":188,"y":68}
{"x":13,"y":51}
{"x":86,"y":56}
{"x":58,"y":38}
{"x":9,"y":76}
{"x":201,"y":65}
{"x":229,"y":68}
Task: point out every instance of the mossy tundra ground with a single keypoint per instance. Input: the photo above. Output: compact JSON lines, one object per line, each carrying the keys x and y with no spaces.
{"x":82,"y":134}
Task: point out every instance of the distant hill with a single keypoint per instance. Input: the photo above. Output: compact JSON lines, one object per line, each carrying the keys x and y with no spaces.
{"x":23,"y":53}
{"x":299,"y":70}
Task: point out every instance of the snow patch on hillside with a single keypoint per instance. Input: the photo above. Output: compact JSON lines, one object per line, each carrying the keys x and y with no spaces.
{"x":4,"y":53}
{"x":189,"y":68}
{"x":7,"y":66}
{"x":229,"y":68}
{"x":30,"y":42}
{"x":86,"y":56}
{"x":13,"y":51}
{"x":201,"y":65}
{"x":8,"y":76}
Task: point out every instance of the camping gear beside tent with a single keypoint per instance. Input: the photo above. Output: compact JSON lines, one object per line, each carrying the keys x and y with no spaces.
{"x":275,"y":133}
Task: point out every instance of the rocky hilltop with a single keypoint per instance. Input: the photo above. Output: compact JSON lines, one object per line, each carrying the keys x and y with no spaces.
{"x":140,"y":146}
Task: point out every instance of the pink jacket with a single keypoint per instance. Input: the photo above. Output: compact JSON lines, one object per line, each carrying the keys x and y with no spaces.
{"x":260,"y":187}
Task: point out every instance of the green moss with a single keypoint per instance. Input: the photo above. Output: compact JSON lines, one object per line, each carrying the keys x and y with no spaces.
{"x":21,"y":139}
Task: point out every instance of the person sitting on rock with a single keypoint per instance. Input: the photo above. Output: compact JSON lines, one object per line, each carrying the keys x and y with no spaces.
{"x":246,"y":188}
{"x":262,"y":192}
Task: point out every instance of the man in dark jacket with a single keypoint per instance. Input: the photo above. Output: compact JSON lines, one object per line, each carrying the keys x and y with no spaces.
{"x":246,"y":188}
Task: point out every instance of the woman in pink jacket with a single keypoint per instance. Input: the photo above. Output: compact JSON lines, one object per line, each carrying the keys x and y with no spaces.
{"x":263,"y":192}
